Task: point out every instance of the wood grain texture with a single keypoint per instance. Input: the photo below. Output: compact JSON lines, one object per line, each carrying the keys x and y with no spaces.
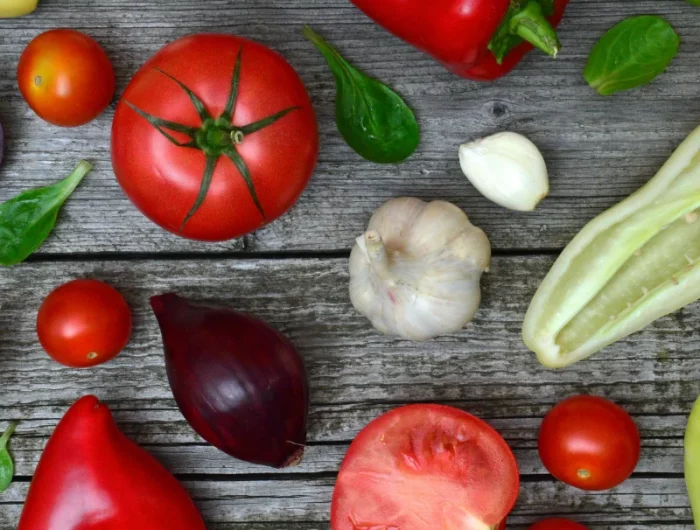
{"x":355,"y":375}
{"x":598,"y":149}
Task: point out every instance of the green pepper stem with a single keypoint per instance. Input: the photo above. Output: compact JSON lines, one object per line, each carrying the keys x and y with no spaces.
{"x":531,"y":24}
{"x":6,"y":437}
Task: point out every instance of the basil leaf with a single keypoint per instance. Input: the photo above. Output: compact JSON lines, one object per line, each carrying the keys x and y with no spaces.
{"x":7,"y":466}
{"x":372,"y":118}
{"x":631,"y":54}
{"x":27,"y":219}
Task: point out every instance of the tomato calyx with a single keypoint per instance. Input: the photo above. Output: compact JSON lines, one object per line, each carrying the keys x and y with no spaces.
{"x":215,"y":137}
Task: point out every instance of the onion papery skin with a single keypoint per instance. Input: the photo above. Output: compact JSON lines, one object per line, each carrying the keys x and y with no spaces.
{"x":239,"y":383}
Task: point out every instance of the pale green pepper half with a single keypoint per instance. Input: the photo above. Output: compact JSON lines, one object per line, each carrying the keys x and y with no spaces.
{"x":635,"y":263}
{"x":692,"y":461}
{"x":17,"y":8}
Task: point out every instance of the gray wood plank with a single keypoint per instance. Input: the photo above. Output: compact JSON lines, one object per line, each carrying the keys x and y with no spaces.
{"x":184,"y":453}
{"x":348,"y":362}
{"x":647,"y":501}
{"x":599,"y":149}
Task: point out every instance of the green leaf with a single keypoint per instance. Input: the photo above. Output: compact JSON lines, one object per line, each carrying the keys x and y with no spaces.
{"x":7,"y":466}
{"x":27,"y":219}
{"x":372,"y":118}
{"x":631,"y":54}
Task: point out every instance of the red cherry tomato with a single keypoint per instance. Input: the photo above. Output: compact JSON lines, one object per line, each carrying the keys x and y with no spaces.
{"x":233,"y":176}
{"x":424,"y":467}
{"x":557,"y":524}
{"x":590,"y":443}
{"x":66,"y":77}
{"x":84,"y":323}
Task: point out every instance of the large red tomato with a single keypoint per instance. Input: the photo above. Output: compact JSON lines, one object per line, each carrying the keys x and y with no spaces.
{"x":214,"y":137}
{"x":589,"y":442}
{"x":425,"y":467}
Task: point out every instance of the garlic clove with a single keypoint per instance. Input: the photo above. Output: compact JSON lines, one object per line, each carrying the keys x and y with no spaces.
{"x":508,"y":169}
{"x":436,"y":228}
{"x":394,"y":218}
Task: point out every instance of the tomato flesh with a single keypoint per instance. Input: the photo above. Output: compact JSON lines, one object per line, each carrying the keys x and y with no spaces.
{"x":84,"y":323}
{"x":425,"y":467}
{"x":590,"y":443}
{"x":66,"y":77}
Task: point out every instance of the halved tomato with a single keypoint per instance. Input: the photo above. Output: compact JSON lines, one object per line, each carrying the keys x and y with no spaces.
{"x":425,"y":467}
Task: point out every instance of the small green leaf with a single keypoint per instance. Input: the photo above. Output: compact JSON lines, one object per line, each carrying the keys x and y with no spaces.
{"x":27,"y":219}
{"x":372,"y":118}
{"x":631,"y":54}
{"x":7,"y":466}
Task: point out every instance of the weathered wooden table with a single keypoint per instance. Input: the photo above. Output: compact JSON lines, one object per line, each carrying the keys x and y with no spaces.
{"x":294,"y":272}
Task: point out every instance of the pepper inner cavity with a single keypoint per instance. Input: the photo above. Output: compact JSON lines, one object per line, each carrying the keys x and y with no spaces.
{"x":662,"y":260}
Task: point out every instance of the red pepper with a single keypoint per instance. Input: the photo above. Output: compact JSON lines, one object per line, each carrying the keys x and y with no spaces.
{"x":476,"y":39}
{"x":92,"y":477}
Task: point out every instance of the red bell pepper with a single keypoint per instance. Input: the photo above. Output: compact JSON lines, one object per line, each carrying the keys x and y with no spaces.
{"x":476,"y":39}
{"x":92,"y":477}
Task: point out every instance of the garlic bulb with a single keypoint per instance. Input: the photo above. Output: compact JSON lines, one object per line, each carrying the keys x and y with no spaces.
{"x":508,"y":169}
{"x":416,"y":271}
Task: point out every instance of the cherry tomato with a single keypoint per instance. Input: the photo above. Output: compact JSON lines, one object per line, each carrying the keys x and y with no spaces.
{"x":66,"y":77}
{"x":424,"y":467}
{"x":590,"y":443}
{"x":84,"y":323}
{"x":242,"y":167}
{"x":557,"y":524}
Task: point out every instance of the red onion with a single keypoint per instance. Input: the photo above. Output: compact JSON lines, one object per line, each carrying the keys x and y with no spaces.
{"x":239,"y":383}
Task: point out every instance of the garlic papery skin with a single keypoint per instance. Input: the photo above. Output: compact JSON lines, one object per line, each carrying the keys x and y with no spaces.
{"x":416,"y":272}
{"x":508,"y":169}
